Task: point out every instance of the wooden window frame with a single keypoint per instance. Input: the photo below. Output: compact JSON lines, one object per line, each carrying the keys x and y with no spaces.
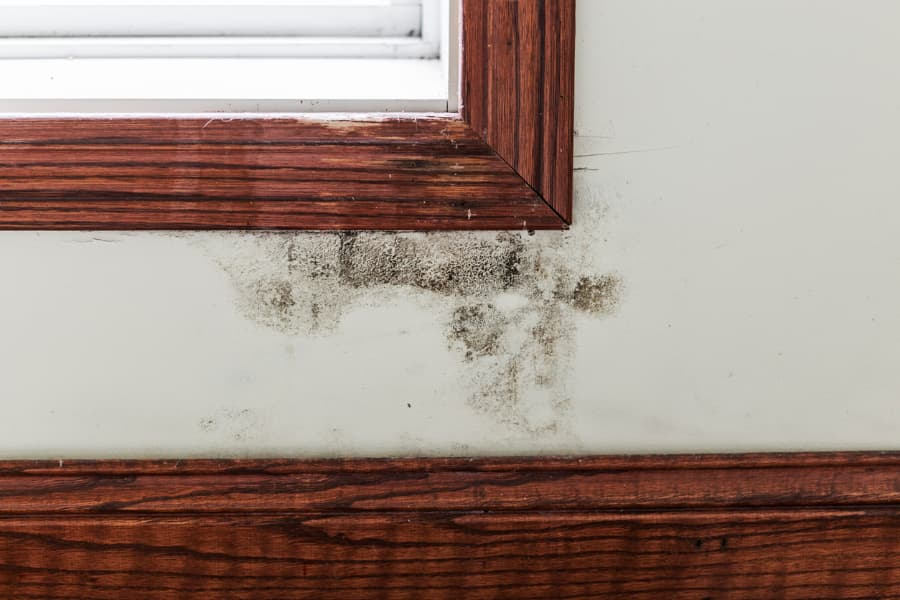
{"x":503,"y":162}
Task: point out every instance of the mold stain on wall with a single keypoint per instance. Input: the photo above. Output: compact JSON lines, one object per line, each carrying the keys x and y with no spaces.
{"x":508,"y":302}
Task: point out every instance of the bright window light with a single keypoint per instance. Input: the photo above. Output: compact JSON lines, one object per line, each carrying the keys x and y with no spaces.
{"x":230,"y":28}
{"x":227,"y":55}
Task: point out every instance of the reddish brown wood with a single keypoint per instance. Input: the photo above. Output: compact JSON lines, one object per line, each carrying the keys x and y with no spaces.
{"x":504,"y":163}
{"x":518,"y":88}
{"x":836,"y":554}
{"x":454,"y":484}
{"x":428,"y":173}
{"x":744,"y":526}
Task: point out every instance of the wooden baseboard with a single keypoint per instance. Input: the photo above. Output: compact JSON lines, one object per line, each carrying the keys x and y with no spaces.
{"x":692,"y":527}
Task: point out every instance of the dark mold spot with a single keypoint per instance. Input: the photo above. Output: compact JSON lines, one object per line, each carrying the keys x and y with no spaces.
{"x":597,"y":295}
{"x":277,"y":295}
{"x":451,"y":266}
{"x":478,"y":328}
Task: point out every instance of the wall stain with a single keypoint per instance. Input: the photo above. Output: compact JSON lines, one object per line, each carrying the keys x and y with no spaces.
{"x":240,"y":424}
{"x":477,"y":330}
{"x":597,"y":295}
{"x":509,"y":301}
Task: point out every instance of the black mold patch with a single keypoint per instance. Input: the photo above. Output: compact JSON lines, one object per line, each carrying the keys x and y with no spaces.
{"x":478,"y":328}
{"x":596,"y":295}
{"x":447,"y":266}
{"x":275,"y":300}
{"x":509,"y":301}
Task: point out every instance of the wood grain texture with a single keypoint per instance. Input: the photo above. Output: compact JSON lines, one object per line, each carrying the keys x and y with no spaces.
{"x":518,"y":88}
{"x":743,"y":526}
{"x":422,"y":172}
{"x":504,"y":163}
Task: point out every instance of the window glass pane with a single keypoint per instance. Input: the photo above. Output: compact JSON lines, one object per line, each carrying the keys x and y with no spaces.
{"x":308,"y":18}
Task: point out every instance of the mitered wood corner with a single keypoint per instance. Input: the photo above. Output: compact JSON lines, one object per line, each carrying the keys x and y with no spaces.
{"x":504,"y":162}
{"x":647,"y":527}
{"x":518,"y":89}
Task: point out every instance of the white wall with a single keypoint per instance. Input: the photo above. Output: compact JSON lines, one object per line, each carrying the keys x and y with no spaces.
{"x":738,"y":222}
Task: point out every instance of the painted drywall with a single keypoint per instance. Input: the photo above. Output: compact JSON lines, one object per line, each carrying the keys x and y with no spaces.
{"x":731,"y":282}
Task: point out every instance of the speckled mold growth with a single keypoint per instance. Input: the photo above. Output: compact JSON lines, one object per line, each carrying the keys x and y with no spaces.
{"x":509,"y":299}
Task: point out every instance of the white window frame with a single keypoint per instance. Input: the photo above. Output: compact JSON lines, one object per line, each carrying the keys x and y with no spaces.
{"x":236,"y":73}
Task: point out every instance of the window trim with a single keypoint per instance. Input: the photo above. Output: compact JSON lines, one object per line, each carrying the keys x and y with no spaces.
{"x":503,"y":162}
{"x":743,"y":525}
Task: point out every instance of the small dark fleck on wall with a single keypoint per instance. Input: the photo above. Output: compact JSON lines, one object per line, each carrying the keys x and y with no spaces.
{"x":238,"y":424}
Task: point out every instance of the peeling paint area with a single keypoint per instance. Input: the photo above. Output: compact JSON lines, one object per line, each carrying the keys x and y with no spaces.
{"x":508,"y":300}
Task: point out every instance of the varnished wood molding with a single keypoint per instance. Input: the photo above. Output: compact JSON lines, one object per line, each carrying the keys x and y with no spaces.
{"x":504,"y":162}
{"x":740,"y":526}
